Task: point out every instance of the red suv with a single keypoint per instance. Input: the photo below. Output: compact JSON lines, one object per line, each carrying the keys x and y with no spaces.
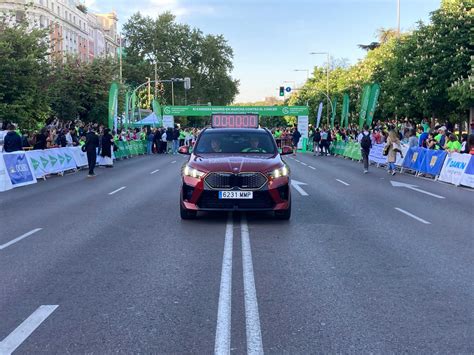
{"x":235,"y":169}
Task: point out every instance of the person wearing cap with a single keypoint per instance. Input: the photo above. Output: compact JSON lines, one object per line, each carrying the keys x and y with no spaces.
{"x":441,"y":138}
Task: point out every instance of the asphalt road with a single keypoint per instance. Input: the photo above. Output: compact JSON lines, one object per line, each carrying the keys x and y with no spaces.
{"x":361,"y":267}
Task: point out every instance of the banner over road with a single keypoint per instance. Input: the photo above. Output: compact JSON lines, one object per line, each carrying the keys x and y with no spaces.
{"x":260,"y":110}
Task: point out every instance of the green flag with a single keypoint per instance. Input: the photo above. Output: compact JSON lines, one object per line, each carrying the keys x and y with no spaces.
{"x":345,"y":111}
{"x":113,"y":103}
{"x":127,"y":108}
{"x":374,"y":96}
{"x":333,"y":113}
{"x":363,"y":105}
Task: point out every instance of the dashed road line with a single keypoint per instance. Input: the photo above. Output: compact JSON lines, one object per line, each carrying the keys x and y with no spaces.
{"x":304,"y":164}
{"x":119,"y":189}
{"x":6,"y":245}
{"x":252,"y":318}
{"x":174,"y":161}
{"x":412,"y":215}
{"x":311,"y":167}
{"x":25,"y":329}
{"x":343,"y":182}
{"x":222,"y":341}
{"x":154,"y":171}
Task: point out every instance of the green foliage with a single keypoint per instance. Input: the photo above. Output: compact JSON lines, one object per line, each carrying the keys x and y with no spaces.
{"x":206,"y":59}
{"x":80,"y":90}
{"x":423,"y":73}
{"x":23,"y":69}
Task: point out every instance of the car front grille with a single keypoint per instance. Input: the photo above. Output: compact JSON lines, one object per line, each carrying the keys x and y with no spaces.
{"x":210,"y":200}
{"x":243,"y":181}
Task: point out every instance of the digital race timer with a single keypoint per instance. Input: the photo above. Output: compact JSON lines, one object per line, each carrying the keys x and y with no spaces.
{"x":234,"y":121}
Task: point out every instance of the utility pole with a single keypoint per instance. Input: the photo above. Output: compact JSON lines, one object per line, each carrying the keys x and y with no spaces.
{"x":172,"y":91}
{"x":156,"y":80}
{"x":327,"y":83}
{"x":398,"y":18}
{"x":148,"y":89}
{"x":120,"y":59}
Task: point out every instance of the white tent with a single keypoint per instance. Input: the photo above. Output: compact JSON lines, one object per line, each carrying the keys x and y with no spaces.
{"x":150,"y":120}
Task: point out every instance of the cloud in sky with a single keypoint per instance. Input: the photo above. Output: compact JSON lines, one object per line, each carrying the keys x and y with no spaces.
{"x":179,"y":8}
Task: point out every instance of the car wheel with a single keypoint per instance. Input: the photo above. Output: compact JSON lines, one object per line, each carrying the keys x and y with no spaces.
{"x":187,"y":214}
{"x":283,"y":215}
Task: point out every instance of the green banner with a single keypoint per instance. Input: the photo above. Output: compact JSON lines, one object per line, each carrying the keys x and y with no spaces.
{"x":374,"y":96}
{"x":127,"y":108}
{"x":260,"y":110}
{"x":363,"y":105}
{"x":113,"y":103}
{"x":333,"y":113}
{"x":345,"y":111}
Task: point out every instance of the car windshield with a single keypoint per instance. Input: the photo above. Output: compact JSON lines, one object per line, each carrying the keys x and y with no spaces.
{"x":235,"y":142}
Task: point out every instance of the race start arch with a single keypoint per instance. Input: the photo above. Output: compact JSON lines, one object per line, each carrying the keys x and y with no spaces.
{"x":301,"y":112}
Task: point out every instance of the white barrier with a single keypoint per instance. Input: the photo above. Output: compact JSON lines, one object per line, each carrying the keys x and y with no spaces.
{"x":376,"y":154}
{"x":454,"y":168}
{"x":17,"y":168}
{"x":37,"y":163}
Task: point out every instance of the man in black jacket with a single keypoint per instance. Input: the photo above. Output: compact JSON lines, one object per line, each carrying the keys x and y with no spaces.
{"x":90,"y":147}
{"x":12,"y":140}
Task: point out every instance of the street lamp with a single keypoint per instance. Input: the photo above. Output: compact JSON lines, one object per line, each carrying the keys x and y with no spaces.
{"x":155,"y":63}
{"x":305,"y":70}
{"x":327,"y":80}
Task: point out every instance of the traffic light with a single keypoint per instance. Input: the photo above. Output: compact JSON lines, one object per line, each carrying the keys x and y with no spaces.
{"x":282,"y":91}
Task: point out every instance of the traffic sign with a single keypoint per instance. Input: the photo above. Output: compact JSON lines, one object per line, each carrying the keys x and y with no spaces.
{"x":288,"y":89}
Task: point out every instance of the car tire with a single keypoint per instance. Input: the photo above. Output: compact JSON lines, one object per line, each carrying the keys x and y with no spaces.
{"x":187,"y":214}
{"x":283,"y":215}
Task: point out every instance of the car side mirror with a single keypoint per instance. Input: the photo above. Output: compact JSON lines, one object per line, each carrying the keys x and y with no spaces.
{"x":184,"y":150}
{"x":286,"y":150}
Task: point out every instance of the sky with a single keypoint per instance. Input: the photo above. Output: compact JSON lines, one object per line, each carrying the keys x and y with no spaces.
{"x":272,"y":38}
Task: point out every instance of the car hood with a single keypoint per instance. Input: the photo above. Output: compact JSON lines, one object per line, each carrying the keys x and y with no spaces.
{"x":235,"y":163}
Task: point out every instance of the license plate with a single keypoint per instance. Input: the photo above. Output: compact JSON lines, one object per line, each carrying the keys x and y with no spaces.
{"x":236,"y":195}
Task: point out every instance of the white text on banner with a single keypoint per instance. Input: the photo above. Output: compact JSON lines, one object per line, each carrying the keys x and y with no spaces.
{"x":454,"y":167}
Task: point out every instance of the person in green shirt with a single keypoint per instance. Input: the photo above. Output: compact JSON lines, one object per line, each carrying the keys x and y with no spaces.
{"x":453,"y":145}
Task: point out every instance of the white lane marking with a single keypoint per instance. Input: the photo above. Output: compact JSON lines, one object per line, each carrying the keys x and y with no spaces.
{"x":296,"y":184}
{"x":298,"y":161}
{"x":342,"y":182}
{"x":412,"y":216}
{"x":311,"y":167}
{"x":304,"y":164}
{"x":222,"y":342}
{"x":174,"y":161}
{"x":24,"y":330}
{"x":414,"y":188}
{"x":119,"y":189}
{"x":252,"y":319}
{"x":6,"y":245}
{"x":154,"y":171}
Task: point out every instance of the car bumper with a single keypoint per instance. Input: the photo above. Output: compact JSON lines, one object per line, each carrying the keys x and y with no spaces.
{"x":274,"y":196}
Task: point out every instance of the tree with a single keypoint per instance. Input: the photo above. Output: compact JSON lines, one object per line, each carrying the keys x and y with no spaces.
{"x":23,"y":69}
{"x":206,"y":59}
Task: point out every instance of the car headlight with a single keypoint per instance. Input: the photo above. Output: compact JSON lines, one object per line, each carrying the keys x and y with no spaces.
{"x":281,"y":172}
{"x":188,"y":171}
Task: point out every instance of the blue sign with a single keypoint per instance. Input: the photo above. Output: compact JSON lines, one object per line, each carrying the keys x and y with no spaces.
{"x":432,"y":161}
{"x":413,"y":158}
{"x":18,"y":169}
{"x":288,"y":89}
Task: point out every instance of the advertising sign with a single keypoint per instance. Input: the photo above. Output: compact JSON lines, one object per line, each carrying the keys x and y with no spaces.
{"x":18,"y":169}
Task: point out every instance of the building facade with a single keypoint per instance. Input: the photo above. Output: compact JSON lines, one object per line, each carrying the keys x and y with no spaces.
{"x":73,"y":30}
